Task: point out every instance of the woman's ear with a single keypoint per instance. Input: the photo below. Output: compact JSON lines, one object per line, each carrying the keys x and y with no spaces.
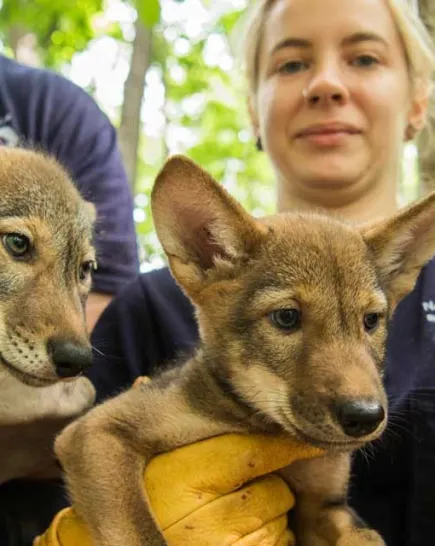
{"x":417,"y":115}
{"x":253,"y":115}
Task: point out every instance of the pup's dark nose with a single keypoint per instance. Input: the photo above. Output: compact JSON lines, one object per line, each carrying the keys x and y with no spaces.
{"x":70,"y":358}
{"x":360,"y":417}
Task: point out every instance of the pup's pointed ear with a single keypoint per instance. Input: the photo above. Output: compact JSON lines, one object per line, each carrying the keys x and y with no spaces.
{"x":402,"y":245}
{"x":202,"y":229}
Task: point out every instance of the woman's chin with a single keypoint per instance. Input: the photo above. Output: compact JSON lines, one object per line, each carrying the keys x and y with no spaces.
{"x":336,"y":170}
{"x":332,"y":183}
{"x":334,"y":190}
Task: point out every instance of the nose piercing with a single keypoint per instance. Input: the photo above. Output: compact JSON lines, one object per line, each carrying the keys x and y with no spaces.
{"x":305,"y":93}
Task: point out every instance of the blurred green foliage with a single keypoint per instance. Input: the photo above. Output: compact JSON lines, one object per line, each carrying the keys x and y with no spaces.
{"x":217,"y":128}
{"x":202,"y":103}
{"x":208,"y":104}
{"x":148,"y":11}
{"x":61,"y":27}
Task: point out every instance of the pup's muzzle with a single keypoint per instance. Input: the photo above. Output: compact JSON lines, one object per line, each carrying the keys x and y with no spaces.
{"x":70,"y":357}
{"x":359,"y":418}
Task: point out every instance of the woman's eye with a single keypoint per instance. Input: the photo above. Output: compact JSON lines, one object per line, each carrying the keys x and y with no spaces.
{"x":365,"y":61}
{"x":292,"y":67}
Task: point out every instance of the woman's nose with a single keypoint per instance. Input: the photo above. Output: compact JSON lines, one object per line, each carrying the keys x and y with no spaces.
{"x":326,"y":87}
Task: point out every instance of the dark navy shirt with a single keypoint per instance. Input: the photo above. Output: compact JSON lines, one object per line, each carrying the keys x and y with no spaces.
{"x":393,"y":482}
{"x":41,"y":109}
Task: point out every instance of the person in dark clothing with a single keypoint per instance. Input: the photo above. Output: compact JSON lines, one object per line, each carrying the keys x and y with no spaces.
{"x":336,"y":88}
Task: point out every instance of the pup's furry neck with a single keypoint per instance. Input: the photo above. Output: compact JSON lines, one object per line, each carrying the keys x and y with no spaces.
{"x":210,"y":391}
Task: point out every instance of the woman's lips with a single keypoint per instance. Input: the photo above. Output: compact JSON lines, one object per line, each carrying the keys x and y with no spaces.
{"x":331,"y":138}
{"x":328,"y":135}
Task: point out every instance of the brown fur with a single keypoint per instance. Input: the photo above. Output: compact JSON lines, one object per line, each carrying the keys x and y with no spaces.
{"x":248,"y":375}
{"x":41,"y":307}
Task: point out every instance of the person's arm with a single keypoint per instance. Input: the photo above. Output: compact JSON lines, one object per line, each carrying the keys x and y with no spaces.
{"x":82,"y":138}
{"x":219,"y":491}
{"x":87,"y":146}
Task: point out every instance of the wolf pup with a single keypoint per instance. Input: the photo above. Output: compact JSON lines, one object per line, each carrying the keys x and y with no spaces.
{"x":46,"y":258}
{"x":293,"y":313}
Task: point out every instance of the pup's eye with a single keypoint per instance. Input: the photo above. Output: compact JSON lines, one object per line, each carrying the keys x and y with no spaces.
{"x":286,"y":319}
{"x":16,"y":244}
{"x":86,"y":269}
{"x":371,"y":321}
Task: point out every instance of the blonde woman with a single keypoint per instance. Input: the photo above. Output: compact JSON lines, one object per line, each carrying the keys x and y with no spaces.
{"x":336,"y":87}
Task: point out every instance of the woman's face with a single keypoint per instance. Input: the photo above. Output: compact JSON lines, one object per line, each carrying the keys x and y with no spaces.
{"x":333,"y":100}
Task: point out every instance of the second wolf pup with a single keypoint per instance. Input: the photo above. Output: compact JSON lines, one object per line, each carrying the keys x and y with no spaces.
{"x":293,"y":312}
{"x":46,"y":259}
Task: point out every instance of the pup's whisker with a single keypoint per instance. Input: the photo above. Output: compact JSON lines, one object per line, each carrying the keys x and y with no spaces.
{"x":96,"y":350}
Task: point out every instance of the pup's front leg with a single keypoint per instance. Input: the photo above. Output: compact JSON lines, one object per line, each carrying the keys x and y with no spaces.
{"x":343,"y":527}
{"x":104,"y":454}
{"x":104,"y":475}
{"x":332,"y":523}
{"x":349,"y":528}
{"x":360,"y":537}
{"x":322,"y":516}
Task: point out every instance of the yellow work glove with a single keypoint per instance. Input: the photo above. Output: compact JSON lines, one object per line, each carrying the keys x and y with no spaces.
{"x":218,"y":492}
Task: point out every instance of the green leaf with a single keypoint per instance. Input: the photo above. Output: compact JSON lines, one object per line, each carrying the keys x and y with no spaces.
{"x":148,"y":11}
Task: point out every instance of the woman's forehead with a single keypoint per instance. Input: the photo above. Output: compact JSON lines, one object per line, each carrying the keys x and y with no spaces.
{"x":312,"y":21}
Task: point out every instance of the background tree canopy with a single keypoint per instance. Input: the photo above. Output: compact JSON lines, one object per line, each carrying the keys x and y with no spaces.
{"x":167,"y":75}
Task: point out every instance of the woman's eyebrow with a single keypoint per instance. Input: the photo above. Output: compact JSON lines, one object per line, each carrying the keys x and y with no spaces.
{"x":364,"y":37}
{"x":302,"y":43}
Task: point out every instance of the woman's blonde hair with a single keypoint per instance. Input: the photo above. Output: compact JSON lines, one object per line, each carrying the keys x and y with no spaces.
{"x":418,"y":45}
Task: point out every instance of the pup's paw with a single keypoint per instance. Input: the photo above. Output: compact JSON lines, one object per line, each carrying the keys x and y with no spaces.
{"x":361,"y":537}
{"x":141,"y":380}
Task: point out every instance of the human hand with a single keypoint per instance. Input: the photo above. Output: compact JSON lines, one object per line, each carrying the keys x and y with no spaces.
{"x":216,"y":492}
{"x":220,"y":491}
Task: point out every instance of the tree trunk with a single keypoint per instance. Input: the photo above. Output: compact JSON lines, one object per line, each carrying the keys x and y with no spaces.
{"x":129,"y":129}
{"x":426,"y":142}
